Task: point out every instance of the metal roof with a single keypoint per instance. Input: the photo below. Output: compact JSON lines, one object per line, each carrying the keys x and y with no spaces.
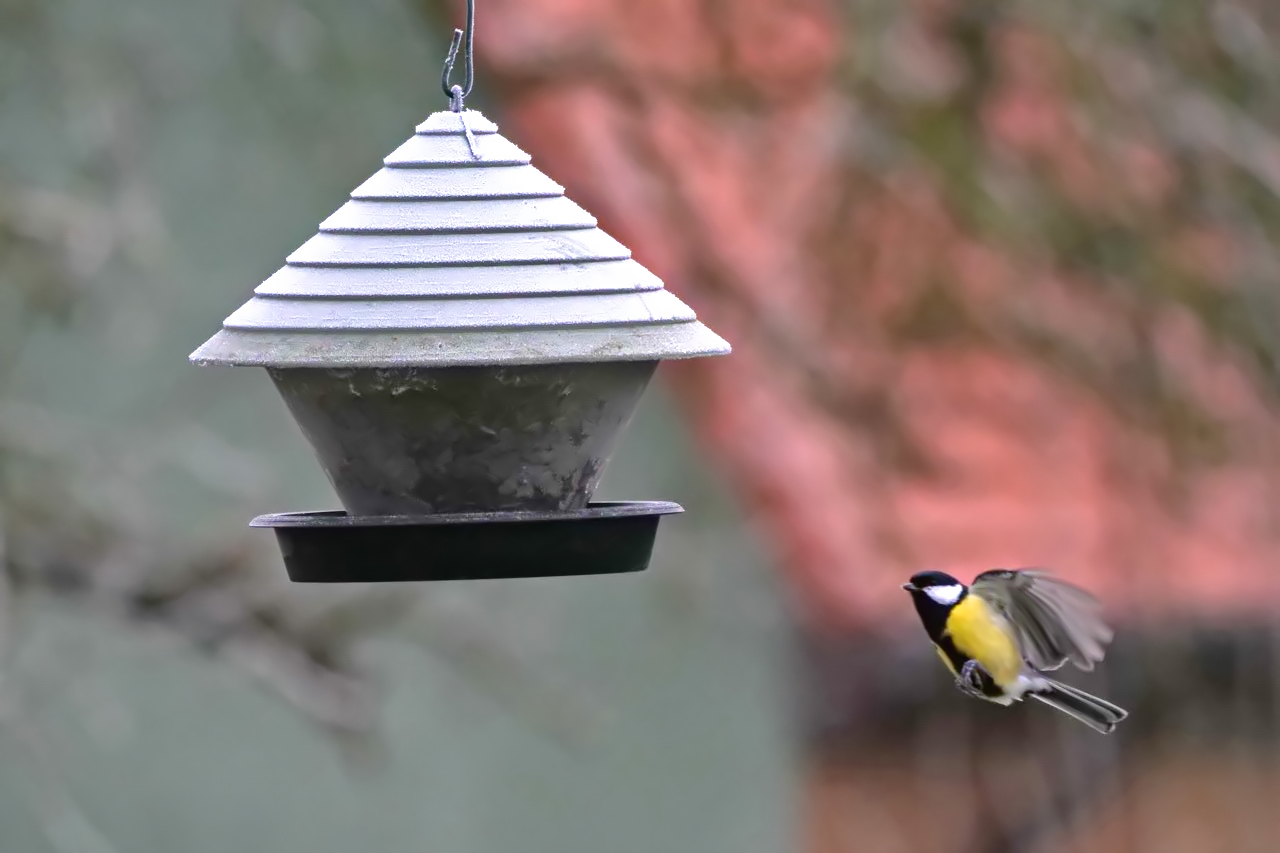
{"x":458,"y":252}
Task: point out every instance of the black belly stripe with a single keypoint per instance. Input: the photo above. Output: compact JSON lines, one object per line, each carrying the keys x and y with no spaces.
{"x":935,"y":623}
{"x":958,"y":660}
{"x":953,"y":654}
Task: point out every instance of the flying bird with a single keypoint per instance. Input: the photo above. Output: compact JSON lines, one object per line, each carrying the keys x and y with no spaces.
{"x":1002,"y":633}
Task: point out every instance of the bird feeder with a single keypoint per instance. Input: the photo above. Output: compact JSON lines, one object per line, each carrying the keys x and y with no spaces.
{"x":462,"y":346}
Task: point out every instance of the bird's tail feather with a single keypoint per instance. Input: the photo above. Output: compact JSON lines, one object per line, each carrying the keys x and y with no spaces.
{"x":1098,"y":714}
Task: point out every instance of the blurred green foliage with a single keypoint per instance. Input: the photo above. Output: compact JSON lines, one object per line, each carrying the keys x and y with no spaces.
{"x":158,"y":160}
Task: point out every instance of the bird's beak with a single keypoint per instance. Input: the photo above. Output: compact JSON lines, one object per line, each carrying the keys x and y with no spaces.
{"x":909,"y":587}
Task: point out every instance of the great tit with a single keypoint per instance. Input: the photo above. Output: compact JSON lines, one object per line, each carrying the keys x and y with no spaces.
{"x":999,"y":636}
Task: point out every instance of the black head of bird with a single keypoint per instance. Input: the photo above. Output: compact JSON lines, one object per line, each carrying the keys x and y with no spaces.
{"x":934,"y":594}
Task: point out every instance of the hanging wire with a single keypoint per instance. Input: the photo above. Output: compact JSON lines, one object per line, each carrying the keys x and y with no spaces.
{"x":455,"y":92}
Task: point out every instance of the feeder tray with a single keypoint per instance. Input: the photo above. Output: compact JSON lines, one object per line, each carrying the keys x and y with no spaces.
{"x":334,"y":547}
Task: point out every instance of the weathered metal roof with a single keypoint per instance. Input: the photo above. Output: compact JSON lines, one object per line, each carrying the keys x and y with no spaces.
{"x":458,"y":252}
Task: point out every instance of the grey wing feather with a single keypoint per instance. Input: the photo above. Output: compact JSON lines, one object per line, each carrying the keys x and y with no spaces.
{"x":1055,"y":621}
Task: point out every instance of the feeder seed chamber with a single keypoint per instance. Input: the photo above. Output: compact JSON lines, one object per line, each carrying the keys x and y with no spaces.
{"x":462,"y":346}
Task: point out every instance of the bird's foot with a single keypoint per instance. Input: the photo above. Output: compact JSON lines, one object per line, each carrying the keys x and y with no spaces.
{"x":969,"y":681}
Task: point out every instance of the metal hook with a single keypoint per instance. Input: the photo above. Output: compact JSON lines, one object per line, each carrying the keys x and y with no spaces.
{"x":455,"y":92}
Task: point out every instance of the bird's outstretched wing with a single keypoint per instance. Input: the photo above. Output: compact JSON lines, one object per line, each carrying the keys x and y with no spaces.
{"x":1055,"y":621}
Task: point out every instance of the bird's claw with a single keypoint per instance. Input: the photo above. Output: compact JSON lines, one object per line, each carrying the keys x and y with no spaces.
{"x":969,"y":681}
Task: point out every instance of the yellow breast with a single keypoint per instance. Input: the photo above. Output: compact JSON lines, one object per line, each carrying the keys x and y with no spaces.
{"x":981,"y":633}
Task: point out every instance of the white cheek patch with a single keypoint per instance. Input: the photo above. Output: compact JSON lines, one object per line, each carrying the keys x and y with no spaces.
{"x":949,"y":594}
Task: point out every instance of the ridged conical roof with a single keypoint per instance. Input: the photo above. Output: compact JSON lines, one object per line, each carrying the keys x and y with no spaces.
{"x":458,"y":252}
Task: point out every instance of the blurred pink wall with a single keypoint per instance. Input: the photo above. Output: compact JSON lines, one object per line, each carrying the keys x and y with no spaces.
{"x":877,"y":415}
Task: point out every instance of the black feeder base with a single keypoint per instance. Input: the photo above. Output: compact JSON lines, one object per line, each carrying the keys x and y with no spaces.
{"x":333,"y":547}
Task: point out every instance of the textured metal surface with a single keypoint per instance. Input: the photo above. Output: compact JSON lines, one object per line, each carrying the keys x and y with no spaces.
{"x":459,"y":252}
{"x":337,"y":518}
{"x":469,"y":314}
{"x":419,"y":441}
{"x":605,"y":538}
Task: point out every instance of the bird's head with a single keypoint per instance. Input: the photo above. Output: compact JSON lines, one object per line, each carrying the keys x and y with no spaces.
{"x":938,"y":587}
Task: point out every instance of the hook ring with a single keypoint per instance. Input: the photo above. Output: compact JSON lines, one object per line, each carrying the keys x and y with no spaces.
{"x":456,"y":93}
